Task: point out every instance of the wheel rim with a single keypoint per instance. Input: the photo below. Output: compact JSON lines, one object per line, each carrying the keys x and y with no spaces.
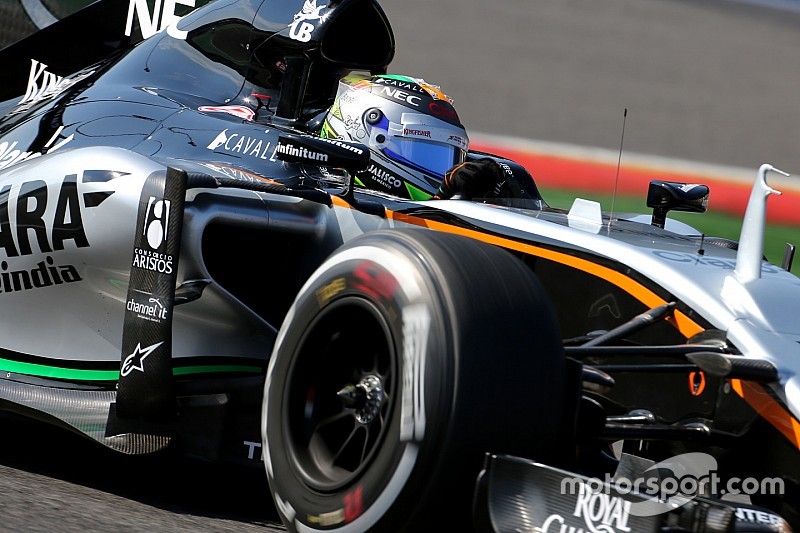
{"x":340,"y":394}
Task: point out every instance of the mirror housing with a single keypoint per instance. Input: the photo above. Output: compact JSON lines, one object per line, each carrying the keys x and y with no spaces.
{"x":665,"y":196}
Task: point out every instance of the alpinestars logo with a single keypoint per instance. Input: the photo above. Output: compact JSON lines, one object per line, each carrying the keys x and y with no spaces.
{"x":156,"y":228}
{"x":300,"y":29}
{"x":135,"y":361}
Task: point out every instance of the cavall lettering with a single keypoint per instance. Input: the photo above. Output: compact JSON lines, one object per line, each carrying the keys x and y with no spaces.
{"x":45,"y":274}
{"x":49,"y":231}
{"x":400,"y":84}
{"x":240,"y":144}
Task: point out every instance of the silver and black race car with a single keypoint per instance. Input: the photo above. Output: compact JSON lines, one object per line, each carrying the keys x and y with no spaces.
{"x":187,"y":265}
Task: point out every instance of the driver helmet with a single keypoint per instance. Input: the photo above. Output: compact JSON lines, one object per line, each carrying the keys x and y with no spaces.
{"x":410,"y":126}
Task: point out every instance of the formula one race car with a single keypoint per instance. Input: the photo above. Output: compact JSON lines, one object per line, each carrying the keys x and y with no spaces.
{"x":188,"y":265}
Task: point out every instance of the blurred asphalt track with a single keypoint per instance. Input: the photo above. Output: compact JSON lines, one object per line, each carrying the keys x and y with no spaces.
{"x":710,"y":87}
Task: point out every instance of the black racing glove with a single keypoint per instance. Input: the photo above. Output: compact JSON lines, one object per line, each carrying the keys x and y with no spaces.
{"x":472,"y":179}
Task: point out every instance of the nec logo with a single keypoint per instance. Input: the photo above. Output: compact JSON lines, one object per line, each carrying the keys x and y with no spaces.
{"x":397,"y":94}
{"x":149,"y":21}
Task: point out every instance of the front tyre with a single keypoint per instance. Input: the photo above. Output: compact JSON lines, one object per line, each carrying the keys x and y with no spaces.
{"x":405,"y":357}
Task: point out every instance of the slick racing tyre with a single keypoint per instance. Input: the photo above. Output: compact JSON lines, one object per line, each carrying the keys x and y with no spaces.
{"x":405,"y":357}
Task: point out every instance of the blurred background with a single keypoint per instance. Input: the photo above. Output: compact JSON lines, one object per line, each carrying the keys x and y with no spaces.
{"x":711,"y":89}
{"x":713,"y":81}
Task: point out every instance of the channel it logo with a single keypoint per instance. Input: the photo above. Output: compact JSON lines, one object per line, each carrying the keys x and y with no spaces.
{"x":156,"y":232}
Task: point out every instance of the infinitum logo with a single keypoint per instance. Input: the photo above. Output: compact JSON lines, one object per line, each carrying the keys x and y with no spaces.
{"x":301,"y":152}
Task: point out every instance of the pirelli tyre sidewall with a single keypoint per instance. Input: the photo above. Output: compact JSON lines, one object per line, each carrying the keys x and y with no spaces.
{"x":391,"y":313}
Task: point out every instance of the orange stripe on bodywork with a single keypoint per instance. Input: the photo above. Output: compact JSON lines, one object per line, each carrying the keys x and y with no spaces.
{"x":764,"y":404}
{"x":769,"y":409}
{"x":683,"y":323}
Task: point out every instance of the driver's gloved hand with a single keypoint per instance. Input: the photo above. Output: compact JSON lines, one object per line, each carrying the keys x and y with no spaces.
{"x":472,"y":179}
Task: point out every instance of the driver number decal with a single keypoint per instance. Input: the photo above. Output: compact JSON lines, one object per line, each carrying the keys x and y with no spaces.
{"x":416,"y":325}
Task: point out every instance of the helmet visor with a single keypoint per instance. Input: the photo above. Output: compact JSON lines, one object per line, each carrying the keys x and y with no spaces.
{"x":425,"y":143}
{"x":430,"y":157}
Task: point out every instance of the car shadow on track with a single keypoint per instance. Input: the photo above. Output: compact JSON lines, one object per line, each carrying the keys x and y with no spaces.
{"x":44,"y":462}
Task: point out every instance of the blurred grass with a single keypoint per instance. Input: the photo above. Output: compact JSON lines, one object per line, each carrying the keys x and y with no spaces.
{"x":712,"y":223}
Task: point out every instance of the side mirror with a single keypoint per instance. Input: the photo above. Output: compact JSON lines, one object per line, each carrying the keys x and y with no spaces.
{"x":665,"y":196}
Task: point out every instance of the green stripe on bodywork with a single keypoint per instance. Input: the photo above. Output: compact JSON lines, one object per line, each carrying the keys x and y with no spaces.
{"x":44,"y":371}
{"x":215,"y":369}
{"x":76,"y":374}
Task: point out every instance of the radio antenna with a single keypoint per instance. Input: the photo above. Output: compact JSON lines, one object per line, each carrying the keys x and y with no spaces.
{"x":619,"y":161}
